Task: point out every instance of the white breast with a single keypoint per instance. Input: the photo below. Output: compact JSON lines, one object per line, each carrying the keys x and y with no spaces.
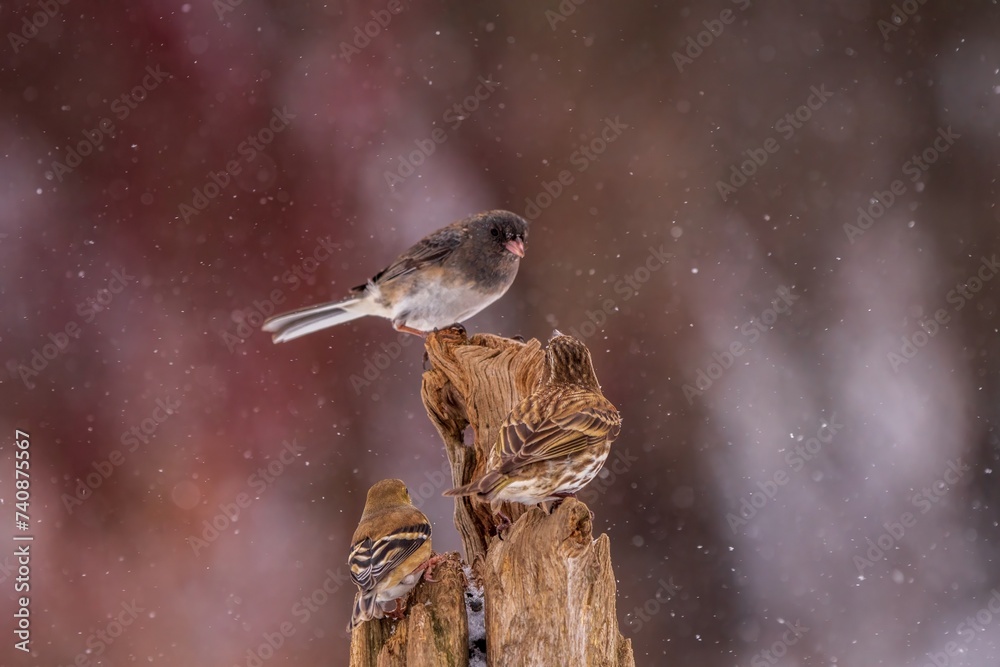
{"x":437,"y":306}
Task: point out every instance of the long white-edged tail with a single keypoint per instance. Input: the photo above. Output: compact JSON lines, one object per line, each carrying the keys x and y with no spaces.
{"x":298,"y":323}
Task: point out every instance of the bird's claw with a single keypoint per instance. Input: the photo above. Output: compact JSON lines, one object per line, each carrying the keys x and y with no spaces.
{"x":503,"y":525}
{"x":457,"y":328}
{"x":429,"y":567}
{"x":399,"y":611}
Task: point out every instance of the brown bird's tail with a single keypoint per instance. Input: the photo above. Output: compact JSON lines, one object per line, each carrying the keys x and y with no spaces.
{"x":467,"y":490}
{"x":486,"y":485}
{"x":365,"y":609}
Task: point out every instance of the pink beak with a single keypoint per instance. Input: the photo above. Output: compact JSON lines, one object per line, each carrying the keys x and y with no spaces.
{"x":515,"y":246}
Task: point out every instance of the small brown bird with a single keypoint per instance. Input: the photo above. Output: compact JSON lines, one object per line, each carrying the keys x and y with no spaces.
{"x":391,"y":550}
{"x":446,"y":278}
{"x":554,"y":441}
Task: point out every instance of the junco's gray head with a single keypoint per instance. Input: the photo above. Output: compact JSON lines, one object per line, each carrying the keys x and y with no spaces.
{"x":500,"y":231}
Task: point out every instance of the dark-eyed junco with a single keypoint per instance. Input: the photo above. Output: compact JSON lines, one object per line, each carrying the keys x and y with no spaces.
{"x":554,"y":441}
{"x":390,"y":551}
{"x":446,"y":278}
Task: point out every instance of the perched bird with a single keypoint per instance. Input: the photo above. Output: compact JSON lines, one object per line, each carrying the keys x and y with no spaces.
{"x":554,"y":441}
{"x":446,"y":278}
{"x":390,"y":551}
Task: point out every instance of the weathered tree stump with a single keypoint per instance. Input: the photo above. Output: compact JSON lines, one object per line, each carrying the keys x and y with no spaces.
{"x":435,"y":630}
{"x":476,"y":382}
{"x":550,"y":594}
{"x":549,"y":585}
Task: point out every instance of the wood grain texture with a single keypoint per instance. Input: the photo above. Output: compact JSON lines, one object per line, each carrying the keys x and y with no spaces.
{"x":476,"y":382}
{"x":434,"y":630}
{"x":550,"y":591}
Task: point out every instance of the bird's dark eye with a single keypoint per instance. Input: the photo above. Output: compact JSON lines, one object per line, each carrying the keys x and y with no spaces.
{"x":495,"y":232}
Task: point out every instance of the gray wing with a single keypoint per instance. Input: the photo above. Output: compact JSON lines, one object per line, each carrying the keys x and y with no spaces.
{"x":432,"y":249}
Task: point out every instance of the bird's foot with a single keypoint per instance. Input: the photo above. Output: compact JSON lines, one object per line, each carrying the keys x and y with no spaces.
{"x":428,"y":567}
{"x":399,"y":611}
{"x":457,"y":327}
{"x":503,"y":525}
{"x":550,"y":506}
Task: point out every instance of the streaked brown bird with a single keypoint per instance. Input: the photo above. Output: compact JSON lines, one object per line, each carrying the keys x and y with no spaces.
{"x":556,"y":440}
{"x":391,"y":550}
{"x":445,"y":278}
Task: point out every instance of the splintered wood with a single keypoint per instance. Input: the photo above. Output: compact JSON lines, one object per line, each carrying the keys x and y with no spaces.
{"x":476,"y":382}
{"x":550,"y":594}
{"x":549,"y":585}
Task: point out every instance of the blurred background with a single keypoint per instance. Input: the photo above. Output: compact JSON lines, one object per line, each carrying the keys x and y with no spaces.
{"x":773,"y":223}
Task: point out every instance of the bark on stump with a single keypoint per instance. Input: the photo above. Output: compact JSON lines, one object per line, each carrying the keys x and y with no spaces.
{"x":549,"y":585}
{"x":435,"y":630}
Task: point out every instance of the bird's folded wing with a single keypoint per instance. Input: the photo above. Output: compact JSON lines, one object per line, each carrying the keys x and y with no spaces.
{"x":559,"y":435}
{"x":371,"y":560}
{"x":432,"y":249}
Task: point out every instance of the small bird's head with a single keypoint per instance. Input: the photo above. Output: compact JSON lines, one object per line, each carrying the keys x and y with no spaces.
{"x":387,"y":493}
{"x":501,"y":231}
{"x":567,"y":361}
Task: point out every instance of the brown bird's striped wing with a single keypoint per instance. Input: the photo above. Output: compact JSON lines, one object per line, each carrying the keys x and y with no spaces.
{"x":372,"y":561}
{"x":569,"y":422}
{"x":432,"y":249}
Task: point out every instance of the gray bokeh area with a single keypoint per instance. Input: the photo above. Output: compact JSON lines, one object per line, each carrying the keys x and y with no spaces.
{"x":774,"y":224}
